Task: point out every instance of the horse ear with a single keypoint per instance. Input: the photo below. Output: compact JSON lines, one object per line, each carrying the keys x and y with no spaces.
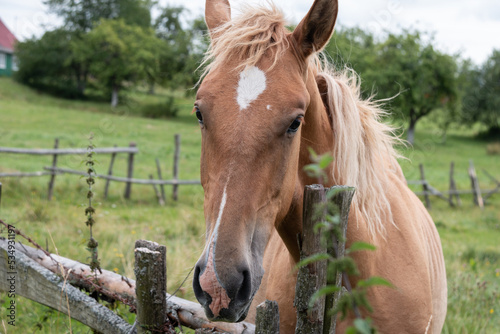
{"x":217,"y":12}
{"x":315,"y":30}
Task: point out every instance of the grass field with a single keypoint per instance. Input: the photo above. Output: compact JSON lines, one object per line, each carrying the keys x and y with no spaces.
{"x":28,"y":119}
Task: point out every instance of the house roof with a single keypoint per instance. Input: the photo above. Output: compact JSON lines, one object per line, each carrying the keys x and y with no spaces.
{"x":7,"y":39}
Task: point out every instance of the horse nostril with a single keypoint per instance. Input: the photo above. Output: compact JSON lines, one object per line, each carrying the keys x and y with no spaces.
{"x":245,"y":291}
{"x":198,"y":291}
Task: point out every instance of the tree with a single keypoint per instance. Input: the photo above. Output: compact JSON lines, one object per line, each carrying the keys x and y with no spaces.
{"x":47,"y":63}
{"x":82,"y":15}
{"x":118,"y":54}
{"x":481,"y":98}
{"x":406,"y":69}
{"x":182,"y":48}
{"x":420,"y":78}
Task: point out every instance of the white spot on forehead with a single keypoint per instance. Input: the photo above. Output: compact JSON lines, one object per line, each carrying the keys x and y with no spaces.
{"x":269,"y":107}
{"x":252,"y":83}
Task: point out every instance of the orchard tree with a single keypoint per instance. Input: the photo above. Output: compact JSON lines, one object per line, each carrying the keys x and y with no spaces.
{"x":47,"y":64}
{"x":81,"y":15}
{"x":420,"y":78}
{"x":182,"y":48}
{"x":481,"y":99}
{"x":118,"y":54}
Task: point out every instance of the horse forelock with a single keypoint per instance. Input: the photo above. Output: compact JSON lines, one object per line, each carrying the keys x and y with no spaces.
{"x":363,"y":149}
{"x":247,"y":38}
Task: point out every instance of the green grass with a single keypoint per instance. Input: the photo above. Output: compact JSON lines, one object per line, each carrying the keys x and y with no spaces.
{"x":29,"y":119}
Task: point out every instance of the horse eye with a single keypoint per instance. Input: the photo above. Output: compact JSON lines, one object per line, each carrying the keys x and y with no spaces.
{"x":199,"y":116}
{"x":295,"y":125}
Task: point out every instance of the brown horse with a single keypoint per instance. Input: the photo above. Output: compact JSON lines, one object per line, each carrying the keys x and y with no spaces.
{"x":265,"y":99}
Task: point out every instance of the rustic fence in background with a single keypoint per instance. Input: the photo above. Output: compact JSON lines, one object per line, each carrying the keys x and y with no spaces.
{"x":132,"y":150}
{"x":453,"y":193}
{"x":156,"y":310}
{"x":452,"y":196}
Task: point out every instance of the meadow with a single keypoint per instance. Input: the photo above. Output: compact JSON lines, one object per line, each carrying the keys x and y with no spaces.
{"x":29,"y":119}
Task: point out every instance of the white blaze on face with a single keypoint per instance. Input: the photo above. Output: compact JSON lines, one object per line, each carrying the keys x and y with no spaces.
{"x":252,"y":83}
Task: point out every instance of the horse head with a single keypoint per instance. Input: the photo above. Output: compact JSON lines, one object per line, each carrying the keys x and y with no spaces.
{"x":252,"y":106}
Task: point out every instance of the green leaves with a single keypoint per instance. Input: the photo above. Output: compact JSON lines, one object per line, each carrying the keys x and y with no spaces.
{"x":373,"y":281}
{"x":313,"y":258}
{"x":318,"y":166}
{"x":360,"y":246}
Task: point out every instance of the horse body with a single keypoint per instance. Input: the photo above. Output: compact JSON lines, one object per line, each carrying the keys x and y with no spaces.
{"x":263,"y":103}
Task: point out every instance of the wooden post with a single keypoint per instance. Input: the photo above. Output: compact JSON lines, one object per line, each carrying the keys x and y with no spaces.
{"x":342,"y":198}
{"x":176,"y":164}
{"x":476,"y":191}
{"x":150,"y":287}
{"x":268,"y":318}
{"x":53,"y":176}
{"x":453,"y":187}
{"x":130,"y":172}
{"x":162,"y":187}
{"x":425,"y":187}
{"x":158,"y":195}
{"x":110,"y":172}
{"x":312,"y":276}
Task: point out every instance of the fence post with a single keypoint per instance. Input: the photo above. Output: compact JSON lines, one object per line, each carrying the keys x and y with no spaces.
{"x":0,"y":194}
{"x":453,"y":187}
{"x":268,"y":318}
{"x":130,"y":172}
{"x":425,"y":187}
{"x":110,"y":172}
{"x":157,"y":193}
{"x":162,"y":187}
{"x":336,"y":248}
{"x":312,"y":276}
{"x":476,"y":191}
{"x":151,"y":284}
{"x":176,"y":164}
{"x":53,"y":176}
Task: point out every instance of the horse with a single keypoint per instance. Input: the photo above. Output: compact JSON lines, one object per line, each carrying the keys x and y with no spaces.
{"x":266,"y":97}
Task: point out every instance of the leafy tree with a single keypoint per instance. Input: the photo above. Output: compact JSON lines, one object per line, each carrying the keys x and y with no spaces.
{"x":357,"y":49}
{"x":182,"y":48}
{"x":423,"y":78}
{"x":118,"y":54}
{"x":405,"y":68}
{"x":82,"y":15}
{"x":47,"y":63}
{"x":481,"y":100}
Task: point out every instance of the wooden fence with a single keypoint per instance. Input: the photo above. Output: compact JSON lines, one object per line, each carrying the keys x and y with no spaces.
{"x":452,"y":196}
{"x":131,"y":151}
{"x":157,"y":310}
{"x":453,"y":193}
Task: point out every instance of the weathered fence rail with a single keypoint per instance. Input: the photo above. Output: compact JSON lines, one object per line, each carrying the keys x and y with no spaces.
{"x":123,"y":179}
{"x":68,"y":151}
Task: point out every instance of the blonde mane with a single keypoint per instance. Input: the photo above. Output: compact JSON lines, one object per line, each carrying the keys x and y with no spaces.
{"x":363,"y":145}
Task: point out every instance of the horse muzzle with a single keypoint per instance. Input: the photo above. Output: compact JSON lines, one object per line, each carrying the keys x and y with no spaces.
{"x":226,"y":295}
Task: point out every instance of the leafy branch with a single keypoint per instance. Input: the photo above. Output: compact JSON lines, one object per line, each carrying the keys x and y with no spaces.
{"x":90,"y":210}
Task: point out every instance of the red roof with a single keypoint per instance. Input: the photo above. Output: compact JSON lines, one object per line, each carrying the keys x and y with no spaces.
{"x":7,"y":39}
